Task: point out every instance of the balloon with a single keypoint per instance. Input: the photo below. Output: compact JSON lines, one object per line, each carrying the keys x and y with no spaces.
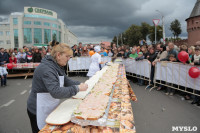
{"x":9,"y":65}
{"x":194,"y":72}
{"x":91,"y":53}
{"x":183,"y":56}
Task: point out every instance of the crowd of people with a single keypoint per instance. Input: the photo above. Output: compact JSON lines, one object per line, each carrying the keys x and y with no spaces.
{"x":153,"y":53}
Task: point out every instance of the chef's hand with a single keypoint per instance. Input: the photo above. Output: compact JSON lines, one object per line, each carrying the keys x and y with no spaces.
{"x":83,"y":87}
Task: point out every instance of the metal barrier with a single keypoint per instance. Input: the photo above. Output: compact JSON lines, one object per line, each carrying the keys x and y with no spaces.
{"x":138,"y":69}
{"x":82,"y":64}
{"x":176,"y":74}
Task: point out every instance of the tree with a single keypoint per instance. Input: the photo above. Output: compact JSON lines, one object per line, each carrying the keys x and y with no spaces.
{"x":114,"y":40}
{"x":133,"y":35}
{"x":145,"y":29}
{"x":175,"y":28}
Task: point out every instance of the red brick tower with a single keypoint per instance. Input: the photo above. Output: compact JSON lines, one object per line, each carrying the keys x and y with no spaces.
{"x":193,"y":25}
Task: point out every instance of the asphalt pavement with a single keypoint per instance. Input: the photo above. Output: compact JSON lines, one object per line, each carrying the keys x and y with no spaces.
{"x":154,"y":112}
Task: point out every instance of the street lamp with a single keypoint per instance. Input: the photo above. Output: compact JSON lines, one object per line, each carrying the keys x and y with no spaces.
{"x":163,"y":26}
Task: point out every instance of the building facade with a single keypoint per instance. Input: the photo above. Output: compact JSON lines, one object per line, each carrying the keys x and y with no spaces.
{"x":35,"y":27}
{"x":193,"y":25}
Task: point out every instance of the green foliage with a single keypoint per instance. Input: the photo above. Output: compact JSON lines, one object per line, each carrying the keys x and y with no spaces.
{"x":145,"y":29}
{"x":175,"y":28}
{"x":135,"y":33}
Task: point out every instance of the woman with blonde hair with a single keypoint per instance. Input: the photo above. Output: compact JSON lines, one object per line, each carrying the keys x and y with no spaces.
{"x":50,"y":83}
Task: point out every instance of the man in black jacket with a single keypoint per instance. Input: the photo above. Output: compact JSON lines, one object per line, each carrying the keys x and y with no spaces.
{"x":3,"y":56}
{"x":151,"y":57}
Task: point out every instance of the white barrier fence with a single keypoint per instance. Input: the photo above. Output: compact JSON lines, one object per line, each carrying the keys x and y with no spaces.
{"x":177,"y":74}
{"x":83,"y":63}
{"x":142,"y":68}
{"x":174,"y":73}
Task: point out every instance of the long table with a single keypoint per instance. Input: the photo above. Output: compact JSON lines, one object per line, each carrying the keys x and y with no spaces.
{"x":120,"y":116}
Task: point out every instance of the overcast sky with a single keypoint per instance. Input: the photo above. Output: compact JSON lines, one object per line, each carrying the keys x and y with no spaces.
{"x":99,"y":20}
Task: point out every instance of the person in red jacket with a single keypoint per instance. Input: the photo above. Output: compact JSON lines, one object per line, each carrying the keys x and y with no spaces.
{"x":13,"y":59}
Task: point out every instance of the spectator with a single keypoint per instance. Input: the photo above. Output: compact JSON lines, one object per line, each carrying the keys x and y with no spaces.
{"x":122,"y":47}
{"x":6,"y":51}
{"x":171,"y":91}
{"x":196,"y":61}
{"x":43,"y":53}
{"x":37,"y":56}
{"x":140,"y":57}
{"x":127,"y":53}
{"x":21,"y":56}
{"x":162,"y":53}
{"x":10,"y":52}
{"x":3,"y":56}
{"x":151,"y":57}
{"x":119,"y":49}
{"x":24,"y":49}
{"x":138,"y":49}
{"x":85,"y":51}
{"x":80,"y":48}
{"x":48,"y":47}
{"x":114,"y":46}
{"x":49,"y":51}
{"x":133,"y":54}
{"x":144,"y":51}
{"x":172,"y":50}
{"x":32,"y":50}
{"x":15,"y":52}
{"x":102,"y":52}
{"x":29,"y":57}
{"x":191,"y":51}
{"x":75,"y":51}
{"x":13,"y":59}
{"x":91,"y":46}
{"x":110,"y":53}
{"x":115,"y":52}
{"x":183,"y":48}
{"x":196,"y":57}
{"x":121,"y":54}
{"x":4,"y":74}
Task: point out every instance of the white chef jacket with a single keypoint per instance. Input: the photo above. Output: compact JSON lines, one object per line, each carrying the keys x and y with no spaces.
{"x":94,"y":66}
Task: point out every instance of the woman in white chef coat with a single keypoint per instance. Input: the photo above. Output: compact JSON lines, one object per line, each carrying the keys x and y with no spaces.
{"x":96,"y":60}
{"x":50,"y":83}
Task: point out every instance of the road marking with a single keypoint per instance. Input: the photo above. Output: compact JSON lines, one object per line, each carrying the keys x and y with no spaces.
{"x":23,"y":92}
{"x":9,"y":103}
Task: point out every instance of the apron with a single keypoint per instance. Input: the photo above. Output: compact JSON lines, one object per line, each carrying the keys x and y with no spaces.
{"x":46,"y":104}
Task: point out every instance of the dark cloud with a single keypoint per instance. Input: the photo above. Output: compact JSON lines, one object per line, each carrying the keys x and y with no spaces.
{"x":95,"y":20}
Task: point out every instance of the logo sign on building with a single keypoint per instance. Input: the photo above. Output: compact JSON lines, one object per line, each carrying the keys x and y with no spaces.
{"x":40,"y":11}
{"x":156,"y":21}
